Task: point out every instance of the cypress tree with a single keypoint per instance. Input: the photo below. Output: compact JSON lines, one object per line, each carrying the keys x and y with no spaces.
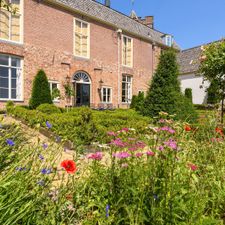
{"x":41,"y":91}
{"x":164,"y":93}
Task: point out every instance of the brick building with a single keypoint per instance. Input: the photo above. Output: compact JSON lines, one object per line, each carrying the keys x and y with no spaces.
{"x":105,"y":55}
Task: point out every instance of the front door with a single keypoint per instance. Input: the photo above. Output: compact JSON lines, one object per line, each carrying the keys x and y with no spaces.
{"x":82,"y":94}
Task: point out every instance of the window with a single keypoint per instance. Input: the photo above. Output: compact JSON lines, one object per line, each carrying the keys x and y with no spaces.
{"x":127,"y":51}
{"x":10,"y":23}
{"x":54,"y":85}
{"x":168,"y":40}
{"x":126,"y":89}
{"x":10,"y":78}
{"x":106,"y":95}
{"x":81,"y":39}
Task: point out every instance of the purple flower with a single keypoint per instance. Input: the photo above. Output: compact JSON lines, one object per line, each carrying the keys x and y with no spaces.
{"x":45,"y":146}
{"x":46,"y":171}
{"x":171,"y":144}
{"x":41,"y":157}
{"x":122,"y":155}
{"x":139,"y":154}
{"x":95,"y":156}
{"x":10,"y":142}
{"x":161,"y":148}
{"x":49,"y":126}
{"x":107,"y":210}
{"x":168,"y":129}
{"x":149,"y":153}
{"x":118,"y":142}
{"x":21,"y":168}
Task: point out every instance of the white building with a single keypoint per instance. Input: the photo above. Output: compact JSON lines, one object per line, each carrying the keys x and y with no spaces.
{"x":189,"y":78}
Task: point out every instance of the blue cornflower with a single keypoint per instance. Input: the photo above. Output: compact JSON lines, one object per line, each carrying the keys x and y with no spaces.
{"x":46,"y":171}
{"x":107,"y":210}
{"x":45,"y":146}
{"x":10,"y":142}
{"x":41,"y":157}
{"x":41,"y":183}
{"x":49,"y":126}
{"x":21,"y":168}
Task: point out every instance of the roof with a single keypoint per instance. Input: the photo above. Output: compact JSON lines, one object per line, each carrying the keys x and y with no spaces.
{"x":189,"y":60}
{"x":113,"y":17}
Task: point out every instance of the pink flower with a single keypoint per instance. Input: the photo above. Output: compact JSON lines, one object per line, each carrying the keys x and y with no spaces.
{"x":161,"y":148}
{"x":162,"y":121}
{"x":95,"y":156}
{"x":139,"y":154}
{"x":140,"y":144}
{"x":118,"y":142}
{"x":192,"y":166}
{"x":168,"y":129}
{"x":122,"y":155}
{"x":150,"y":153}
{"x":171,"y":144}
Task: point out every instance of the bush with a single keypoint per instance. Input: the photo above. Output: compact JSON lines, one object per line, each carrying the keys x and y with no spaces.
{"x":48,"y":108}
{"x":9,"y":106}
{"x":41,"y":91}
{"x":188,"y":94}
{"x":164,"y":92}
{"x":138,"y":101}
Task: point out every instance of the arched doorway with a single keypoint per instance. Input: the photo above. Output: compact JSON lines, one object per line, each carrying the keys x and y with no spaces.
{"x":82,"y":87}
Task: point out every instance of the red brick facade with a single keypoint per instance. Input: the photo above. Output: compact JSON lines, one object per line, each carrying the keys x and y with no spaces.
{"x":48,"y":44}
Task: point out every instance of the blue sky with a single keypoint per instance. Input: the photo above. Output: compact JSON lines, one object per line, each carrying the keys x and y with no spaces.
{"x":192,"y":22}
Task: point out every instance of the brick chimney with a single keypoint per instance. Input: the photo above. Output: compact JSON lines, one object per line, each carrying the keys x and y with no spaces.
{"x":148,"y":20}
{"x":107,"y":3}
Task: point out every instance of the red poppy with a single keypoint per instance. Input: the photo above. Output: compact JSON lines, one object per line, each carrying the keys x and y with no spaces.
{"x":187,"y":128}
{"x":193,"y":167}
{"x":219,"y":131}
{"x":69,"y":166}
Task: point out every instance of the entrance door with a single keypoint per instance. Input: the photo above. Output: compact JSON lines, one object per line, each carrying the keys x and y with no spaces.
{"x":82,"y":94}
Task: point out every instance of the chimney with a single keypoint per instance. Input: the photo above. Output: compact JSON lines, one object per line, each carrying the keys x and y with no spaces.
{"x":148,"y":20}
{"x":107,"y":3}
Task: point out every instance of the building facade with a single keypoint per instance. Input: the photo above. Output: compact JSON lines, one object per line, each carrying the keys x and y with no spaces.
{"x":104,"y":55}
{"x":189,"y":61}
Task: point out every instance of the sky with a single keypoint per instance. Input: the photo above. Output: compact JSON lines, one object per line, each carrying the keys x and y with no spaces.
{"x":191,"y":22}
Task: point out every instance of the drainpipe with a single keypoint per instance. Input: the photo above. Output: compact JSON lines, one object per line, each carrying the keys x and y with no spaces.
{"x":119,"y":32}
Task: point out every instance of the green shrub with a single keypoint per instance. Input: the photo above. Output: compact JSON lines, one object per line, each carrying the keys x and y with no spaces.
{"x":188,"y":94}
{"x":41,"y":91}
{"x":164,"y":91}
{"x":138,"y":101}
{"x":48,"y":108}
{"x":9,"y":106}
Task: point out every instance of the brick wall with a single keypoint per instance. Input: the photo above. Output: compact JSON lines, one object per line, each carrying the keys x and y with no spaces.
{"x":48,"y":45}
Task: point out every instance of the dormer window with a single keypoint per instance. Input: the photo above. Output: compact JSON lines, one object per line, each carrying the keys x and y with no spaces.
{"x":168,"y":40}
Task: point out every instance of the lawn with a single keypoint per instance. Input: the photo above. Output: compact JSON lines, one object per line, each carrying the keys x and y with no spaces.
{"x":167,"y":172}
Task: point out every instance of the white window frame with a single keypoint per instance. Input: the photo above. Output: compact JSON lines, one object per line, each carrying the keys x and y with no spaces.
{"x":106,"y":102}
{"x":124,"y":63}
{"x":56,"y":100}
{"x":88,"y":39}
{"x":21,"y":25}
{"x":20,"y":69}
{"x":130,"y":84}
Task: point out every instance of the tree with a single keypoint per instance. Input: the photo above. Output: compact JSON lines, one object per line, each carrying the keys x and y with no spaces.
{"x":213,"y":93}
{"x":212,"y":67}
{"x":41,"y":91}
{"x":164,"y":93}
